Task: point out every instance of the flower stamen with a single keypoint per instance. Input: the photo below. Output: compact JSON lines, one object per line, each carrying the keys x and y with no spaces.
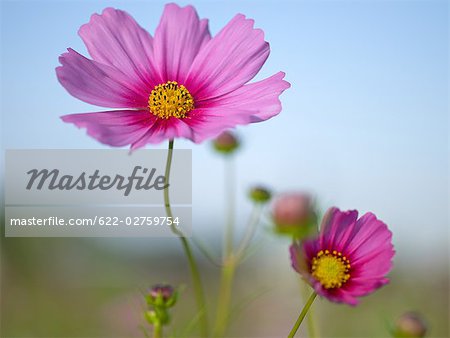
{"x":330,"y":268}
{"x":170,"y":100}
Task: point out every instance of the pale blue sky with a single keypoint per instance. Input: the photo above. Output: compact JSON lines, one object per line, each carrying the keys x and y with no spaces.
{"x":365,"y":124}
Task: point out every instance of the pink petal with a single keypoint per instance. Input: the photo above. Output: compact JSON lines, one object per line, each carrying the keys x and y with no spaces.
{"x":163,"y":130}
{"x":342,"y":296}
{"x":115,"y":128}
{"x":178,"y":39}
{"x":359,"y":287}
{"x":260,"y":98}
{"x":378,"y":267}
{"x":370,"y":248}
{"x":375,"y":264}
{"x":231,"y":59}
{"x":115,"y":39}
{"x":198,"y":126}
{"x":369,"y":234}
{"x":299,"y":260}
{"x":311,"y":248}
{"x":337,"y":295}
{"x":98,"y":84}
{"x":335,"y":225}
{"x":209,"y":122}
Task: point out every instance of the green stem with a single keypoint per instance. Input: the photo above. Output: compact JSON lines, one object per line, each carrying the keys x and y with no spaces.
{"x":229,"y":185}
{"x":224,"y":297}
{"x":157,"y":330}
{"x":311,"y":325}
{"x":198,"y":287}
{"x":228,"y":272}
{"x":228,"y":260}
{"x":249,"y":232}
{"x":302,"y":315}
{"x":312,"y":332}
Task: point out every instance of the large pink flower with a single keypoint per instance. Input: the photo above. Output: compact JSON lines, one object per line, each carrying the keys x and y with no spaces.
{"x":181,"y":83}
{"x":350,"y":258}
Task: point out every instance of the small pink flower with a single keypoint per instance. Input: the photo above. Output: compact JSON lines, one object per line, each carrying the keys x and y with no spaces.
{"x":350,"y":258}
{"x":180,"y":83}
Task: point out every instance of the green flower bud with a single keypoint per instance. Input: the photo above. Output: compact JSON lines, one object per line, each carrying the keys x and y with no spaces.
{"x":159,"y":299}
{"x":293,"y":214}
{"x":410,"y":325}
{"x":226,"y":143}
{"x":260,"y":194}
{"x":162,"y":296}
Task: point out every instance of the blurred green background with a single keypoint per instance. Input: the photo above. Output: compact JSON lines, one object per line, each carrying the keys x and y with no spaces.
{"x":93,"y":288}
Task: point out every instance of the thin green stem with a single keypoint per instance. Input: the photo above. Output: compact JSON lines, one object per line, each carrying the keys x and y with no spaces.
{"x":224,"y":297}
{"x":302,"y":315}
{"x":312,"y":331}
{"x":229,"y":185}
{"x":311,"y":325}
{"x":157,"y":330}
{"x":198,"y":287}
{"x":228,"y":260}
{"x":249,"y":232}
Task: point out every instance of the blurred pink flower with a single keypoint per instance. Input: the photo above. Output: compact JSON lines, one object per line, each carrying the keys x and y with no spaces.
{"x":292,"y":209}
{"x":350,"y":258}
{"x":411,"y":325}
{"x":180,"y":83}
{"x":226,"y":143}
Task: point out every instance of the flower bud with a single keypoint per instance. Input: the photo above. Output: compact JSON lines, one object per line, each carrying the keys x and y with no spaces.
{"x":260,"y":194}
{"x":162,"y":296}
{"x":410,"y":325}
{"x":159,"y":299}
{"x":226,"y":143}
{"x":293,"y":214}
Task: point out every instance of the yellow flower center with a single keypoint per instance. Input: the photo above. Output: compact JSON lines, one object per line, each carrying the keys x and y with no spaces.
{"x":331,"y":269}
{"x":170,"y":100}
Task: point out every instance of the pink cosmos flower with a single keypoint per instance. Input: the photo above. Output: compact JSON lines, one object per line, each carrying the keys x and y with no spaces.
{"x":350,"y":258}
{"x":180,"y":83}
